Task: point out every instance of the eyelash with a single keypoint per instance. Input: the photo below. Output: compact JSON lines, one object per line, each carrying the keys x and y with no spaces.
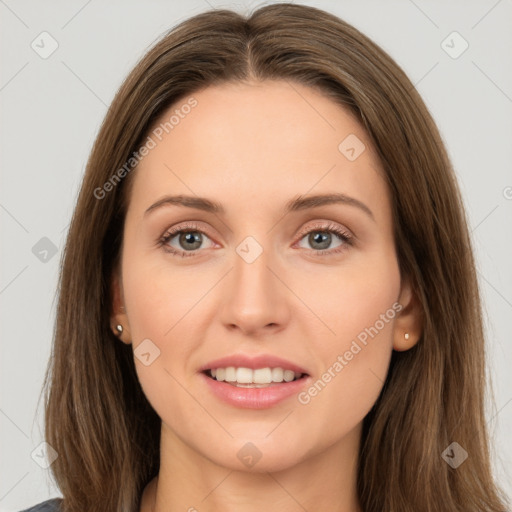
{"x":345,"y":236}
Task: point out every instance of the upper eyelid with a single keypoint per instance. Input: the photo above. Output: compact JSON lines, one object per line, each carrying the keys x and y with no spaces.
{"x":325,"y":225}
{"x":174,"y":230}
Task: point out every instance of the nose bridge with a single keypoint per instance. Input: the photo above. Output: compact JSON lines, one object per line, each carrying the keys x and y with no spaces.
{"x":254,"y":299}
{"x":252,"y":278}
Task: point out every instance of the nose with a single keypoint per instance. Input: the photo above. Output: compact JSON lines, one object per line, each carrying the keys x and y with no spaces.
{"x":256,"y":300}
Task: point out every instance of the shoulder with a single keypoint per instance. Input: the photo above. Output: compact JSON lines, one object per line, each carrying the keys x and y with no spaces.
{"x":52,"y":505}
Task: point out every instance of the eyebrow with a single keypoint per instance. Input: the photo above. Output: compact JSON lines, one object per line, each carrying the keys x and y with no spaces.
{"x":298,"y":204}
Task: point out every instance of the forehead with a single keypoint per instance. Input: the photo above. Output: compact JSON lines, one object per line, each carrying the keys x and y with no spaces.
{"x":255,"y":143}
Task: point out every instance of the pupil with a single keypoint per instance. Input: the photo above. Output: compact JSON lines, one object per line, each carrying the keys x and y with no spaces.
{"x":324,"y":239}
{"x":190,"y":238}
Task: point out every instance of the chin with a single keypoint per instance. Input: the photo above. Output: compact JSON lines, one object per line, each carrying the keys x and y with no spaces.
{"x":257,"y":455}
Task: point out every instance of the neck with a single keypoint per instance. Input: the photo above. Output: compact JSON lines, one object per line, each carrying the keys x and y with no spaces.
{"x":188,"y":481}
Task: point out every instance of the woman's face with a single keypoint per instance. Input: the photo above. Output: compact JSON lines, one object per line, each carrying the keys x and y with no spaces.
{"x":316,"y":284}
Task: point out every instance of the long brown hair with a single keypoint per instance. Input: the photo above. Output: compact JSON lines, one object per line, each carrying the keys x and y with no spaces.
{"x":97,"y":417}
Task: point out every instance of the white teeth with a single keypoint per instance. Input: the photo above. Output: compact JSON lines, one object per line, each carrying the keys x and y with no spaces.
{"x":277,"y":374}
{"x":248,"y":376}
{"x":244,"y":375}
{"x":262,"y":376}
{"x":230,"y":374}
{"x":289,"y":375}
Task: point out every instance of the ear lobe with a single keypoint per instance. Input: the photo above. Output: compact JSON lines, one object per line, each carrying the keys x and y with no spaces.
{"x":119,"y":319}
{"x":409,"y":322}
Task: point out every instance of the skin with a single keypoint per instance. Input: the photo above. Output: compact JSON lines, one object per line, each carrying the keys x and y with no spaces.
{"x":252,"y":147}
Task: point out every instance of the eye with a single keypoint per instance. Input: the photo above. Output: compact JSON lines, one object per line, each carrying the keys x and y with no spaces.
{"x":321,"y":237}
{"x":186,"y":240}
{"x":189,"y":239}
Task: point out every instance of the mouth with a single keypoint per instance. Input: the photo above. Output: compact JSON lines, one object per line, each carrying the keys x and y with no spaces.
{"x":242,"y":377}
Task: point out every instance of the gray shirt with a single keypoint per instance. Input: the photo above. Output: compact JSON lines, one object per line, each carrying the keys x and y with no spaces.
{"x":52,"y":505}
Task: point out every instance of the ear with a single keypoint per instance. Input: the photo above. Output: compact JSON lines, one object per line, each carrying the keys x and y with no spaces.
{"x":119,"y":316}
{"x":409,"y":322}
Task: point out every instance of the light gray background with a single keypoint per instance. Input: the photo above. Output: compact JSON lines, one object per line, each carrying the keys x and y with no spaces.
{"x":52,"y":109}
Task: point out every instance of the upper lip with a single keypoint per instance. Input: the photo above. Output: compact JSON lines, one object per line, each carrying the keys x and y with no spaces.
{"x":253,"y":362}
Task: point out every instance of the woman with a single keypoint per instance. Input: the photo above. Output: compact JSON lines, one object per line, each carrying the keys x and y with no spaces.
{"x":208,"y":354}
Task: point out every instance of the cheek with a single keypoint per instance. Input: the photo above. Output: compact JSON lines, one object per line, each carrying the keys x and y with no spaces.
{"x":165,"y":305}
{"x":358,"y":309}
{"x":349,"y":299}
{"x":161,"y":306}
{"x":159,"y":298}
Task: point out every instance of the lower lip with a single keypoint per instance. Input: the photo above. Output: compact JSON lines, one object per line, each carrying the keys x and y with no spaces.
{"x":254,"y":398}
